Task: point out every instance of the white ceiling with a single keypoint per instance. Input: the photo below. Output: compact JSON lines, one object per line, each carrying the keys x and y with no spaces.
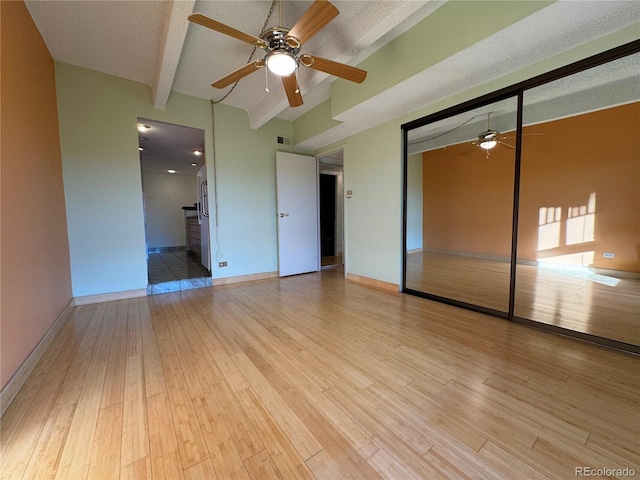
{"x":168,"y":146}
{"x":152,"y":42}
{"x":610,"y":84}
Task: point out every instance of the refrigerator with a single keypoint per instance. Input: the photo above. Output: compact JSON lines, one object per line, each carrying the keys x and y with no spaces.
{"x":203,"y":217}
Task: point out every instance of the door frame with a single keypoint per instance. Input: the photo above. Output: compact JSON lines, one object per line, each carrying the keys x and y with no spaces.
{"x":329,"y":164}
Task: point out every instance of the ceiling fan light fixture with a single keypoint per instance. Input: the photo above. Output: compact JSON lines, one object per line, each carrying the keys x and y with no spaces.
{"x":282,"y":63}
{"x":487,"y":144}
{"x":488,"y":139}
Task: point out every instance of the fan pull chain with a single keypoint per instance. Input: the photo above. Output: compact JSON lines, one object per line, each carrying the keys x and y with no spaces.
{"x":273,"y":6}
{"x":219,"y":254}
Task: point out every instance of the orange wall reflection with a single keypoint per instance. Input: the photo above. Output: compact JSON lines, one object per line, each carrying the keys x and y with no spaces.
{"x":468,"y":199}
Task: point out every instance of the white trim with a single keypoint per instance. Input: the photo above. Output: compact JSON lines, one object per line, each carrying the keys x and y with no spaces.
{"x":373,"y":282}
{"x":108,"y":297}
{"x":244,"y":278}
{"x":11,"y":389}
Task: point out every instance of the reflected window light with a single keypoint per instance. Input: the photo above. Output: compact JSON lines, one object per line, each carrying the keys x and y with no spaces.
{"x":592,"y":203}
{"x":549,"y":219}
{"x":581,"y":222}
{"x":577,"y":265}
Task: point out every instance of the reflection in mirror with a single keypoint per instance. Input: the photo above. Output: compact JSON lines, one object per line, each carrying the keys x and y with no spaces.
{"x":460,"y":174}
{"x":579,"y":221}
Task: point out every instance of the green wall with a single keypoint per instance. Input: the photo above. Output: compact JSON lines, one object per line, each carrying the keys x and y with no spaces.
{"x":373,"y":159}
{"x":246,"y":193}
{"x":98,"y":115}
{"x":372,"y":172}
{"x":102,"y":180}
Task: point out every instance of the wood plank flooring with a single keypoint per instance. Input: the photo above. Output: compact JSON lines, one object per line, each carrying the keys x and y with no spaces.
{"x":600,"y":305}
{"x":314,"y":377}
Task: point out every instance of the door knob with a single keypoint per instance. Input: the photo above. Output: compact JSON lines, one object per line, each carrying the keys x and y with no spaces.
{"x":284,"y":215}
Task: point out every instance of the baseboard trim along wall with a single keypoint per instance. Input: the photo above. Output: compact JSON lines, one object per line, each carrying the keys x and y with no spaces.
{"x":14,"y":385}
{"x":372,"y":282}
{"x":244,"y":278}
{"x":108,"y":297}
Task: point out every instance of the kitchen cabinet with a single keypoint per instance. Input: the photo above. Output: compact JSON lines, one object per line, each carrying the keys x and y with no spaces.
{"x":193,"y":235}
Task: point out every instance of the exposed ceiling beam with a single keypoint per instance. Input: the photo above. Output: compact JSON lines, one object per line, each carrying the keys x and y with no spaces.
{"x":169,"y":56}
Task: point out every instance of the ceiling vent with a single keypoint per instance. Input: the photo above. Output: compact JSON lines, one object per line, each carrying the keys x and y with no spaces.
{"x":286,"y":141}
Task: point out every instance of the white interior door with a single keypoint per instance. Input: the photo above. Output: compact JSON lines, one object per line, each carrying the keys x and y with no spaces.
{"x":298,"y":222}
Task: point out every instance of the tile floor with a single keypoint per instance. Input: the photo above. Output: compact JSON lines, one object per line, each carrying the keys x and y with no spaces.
{"x":176,"y":271}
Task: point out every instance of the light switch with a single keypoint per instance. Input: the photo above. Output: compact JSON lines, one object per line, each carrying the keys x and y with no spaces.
{"x":349,"y":193}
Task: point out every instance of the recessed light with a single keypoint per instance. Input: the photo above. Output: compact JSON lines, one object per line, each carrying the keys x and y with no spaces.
{"x":197,"y":153}
{"x":171,"y":170}
{"x":140,"y":148}
{"x":143,"y":128}
{"x":194,"y":164}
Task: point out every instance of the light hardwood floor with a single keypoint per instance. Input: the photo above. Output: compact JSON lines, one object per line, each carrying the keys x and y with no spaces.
{"x":596,"y":304}
{"x":316,"y":377}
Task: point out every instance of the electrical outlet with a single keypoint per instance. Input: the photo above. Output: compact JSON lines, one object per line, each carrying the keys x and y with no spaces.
{"x":609,"y":255}
{"x":222,"y":264}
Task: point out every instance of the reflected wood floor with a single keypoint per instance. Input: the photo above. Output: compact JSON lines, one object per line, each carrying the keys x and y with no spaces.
{"x":595,"y":304}
{"x":315,"y":377}
{"x":331,"y":260}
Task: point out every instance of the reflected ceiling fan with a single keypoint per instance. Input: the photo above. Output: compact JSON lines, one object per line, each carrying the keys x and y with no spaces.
{"x":282,"y":47}
{"x":490,"y":139}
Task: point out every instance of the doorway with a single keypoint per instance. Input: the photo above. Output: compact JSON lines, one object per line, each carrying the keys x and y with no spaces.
{"x":331,"y":209}
{"x":176,"y":232}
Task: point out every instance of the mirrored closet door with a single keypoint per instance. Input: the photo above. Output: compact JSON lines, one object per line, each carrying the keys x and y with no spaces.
{"x":524,"y":203}
{"x":460,"y":177}
{"x":579,"y":223}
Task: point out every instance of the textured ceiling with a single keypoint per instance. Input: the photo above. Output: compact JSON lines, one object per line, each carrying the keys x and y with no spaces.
{"x":152,"y":42}
{"x":121,"y":38}
{"x":614,"y":83}
{"x":354,"y":34}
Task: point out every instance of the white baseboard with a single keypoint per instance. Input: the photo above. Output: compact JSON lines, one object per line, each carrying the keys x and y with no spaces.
{"x":19,"y":378}
{"x":244,"y":278}
{"x":372,"y":282}
{"x":108,"y":297}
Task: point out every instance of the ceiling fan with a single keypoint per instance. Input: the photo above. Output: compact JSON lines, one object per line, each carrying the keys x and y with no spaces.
{"x":488,"y":139}
{"x":282,"y":47}
{"x":491,"y":138}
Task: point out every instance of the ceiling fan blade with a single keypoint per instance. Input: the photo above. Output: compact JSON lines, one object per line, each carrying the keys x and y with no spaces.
{"x":334,"y":68}
{"x":506,"y":145}
{"x":293,"y":91}
{"x":227,"y":30}
{"x":524,"y":135}
{"x":466,"y":152}
{"x":319,"y":14}
{"x":238,"y":74}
